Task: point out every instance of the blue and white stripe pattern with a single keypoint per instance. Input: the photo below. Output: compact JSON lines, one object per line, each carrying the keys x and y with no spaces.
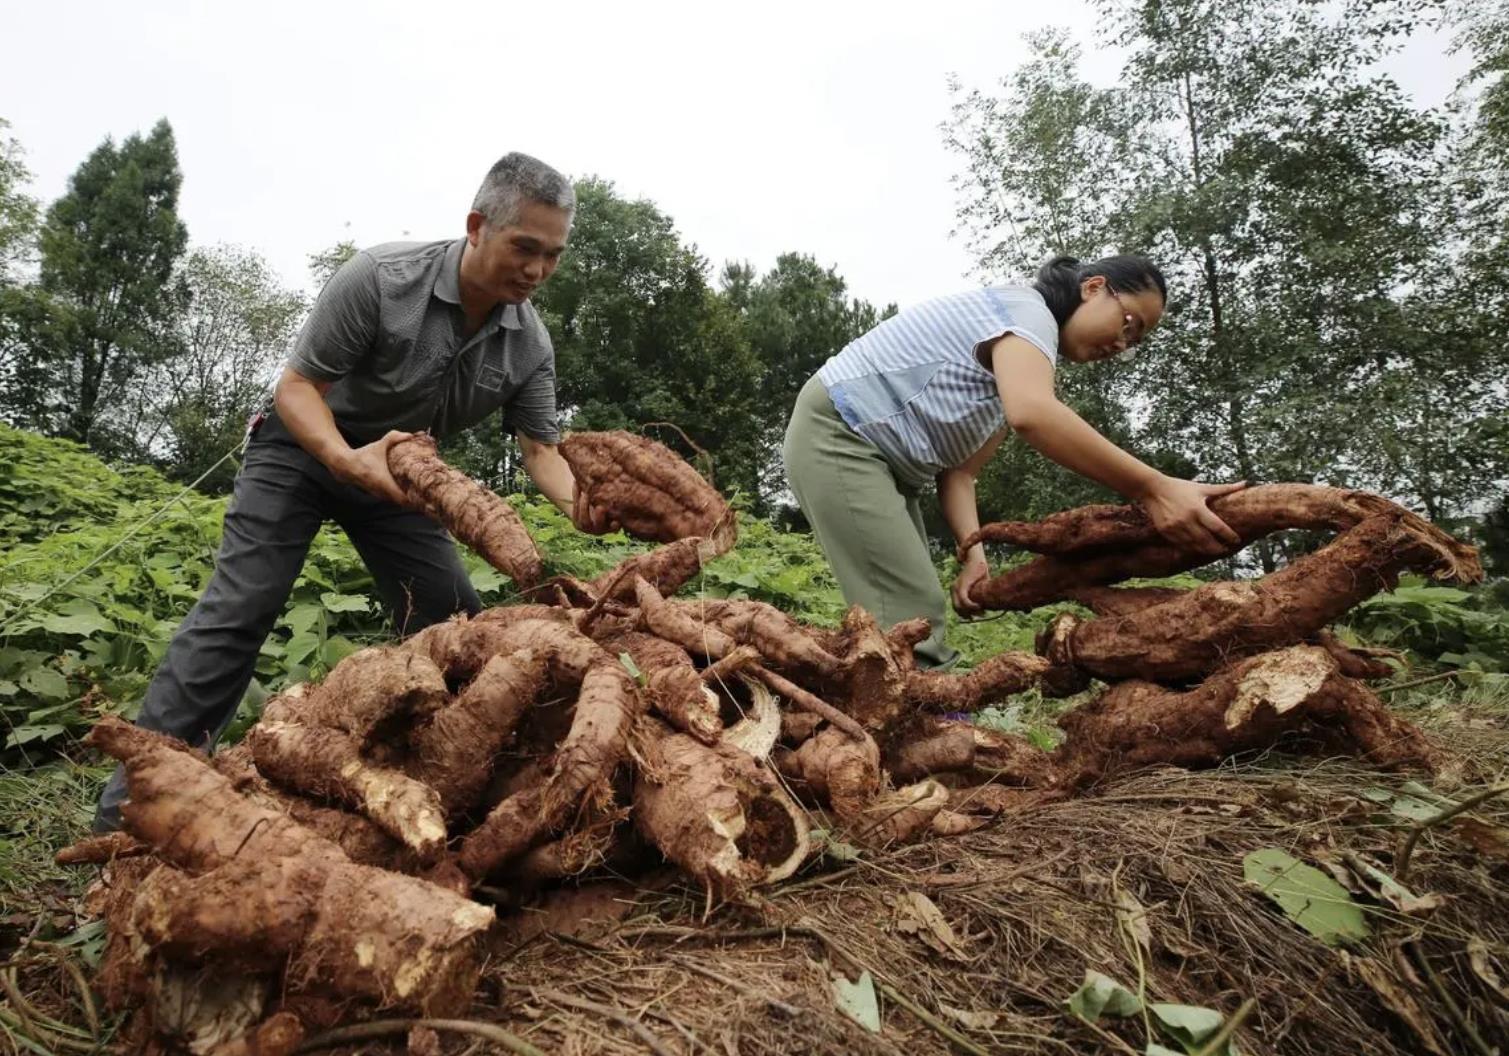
{"x":915,"y":387}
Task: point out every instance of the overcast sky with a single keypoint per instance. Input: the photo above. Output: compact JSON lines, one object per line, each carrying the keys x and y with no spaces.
{"x":809,"y":126}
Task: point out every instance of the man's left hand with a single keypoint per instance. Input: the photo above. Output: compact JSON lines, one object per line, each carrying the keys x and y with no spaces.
{"x":594,"y":520}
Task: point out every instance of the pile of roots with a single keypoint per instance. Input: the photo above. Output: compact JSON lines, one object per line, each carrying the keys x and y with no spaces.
{"x":348,"y":854}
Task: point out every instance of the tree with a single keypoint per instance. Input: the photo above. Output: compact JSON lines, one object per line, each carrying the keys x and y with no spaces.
{"x":640,"y":338}
{"x":239,"y":325}
{"x":795,"y":316}
{"x":1293,"y":196}
{"x":328,"y":261}
{"x":19,"y":315}
{"x":109,"y":248}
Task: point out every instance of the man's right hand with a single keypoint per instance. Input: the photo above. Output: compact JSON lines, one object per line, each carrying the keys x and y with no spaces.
{"x":367,"y":468}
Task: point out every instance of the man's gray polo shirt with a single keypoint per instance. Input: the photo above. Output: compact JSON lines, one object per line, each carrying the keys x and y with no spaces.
{"x":389,"y":331}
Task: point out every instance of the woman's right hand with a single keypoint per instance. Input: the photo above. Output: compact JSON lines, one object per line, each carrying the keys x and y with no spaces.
{"x":1179,"y":511}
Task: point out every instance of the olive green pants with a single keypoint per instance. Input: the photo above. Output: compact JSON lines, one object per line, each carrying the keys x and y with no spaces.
{"x":868,"y":524}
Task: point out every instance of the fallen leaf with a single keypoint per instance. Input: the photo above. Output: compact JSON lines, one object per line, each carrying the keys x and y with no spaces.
{"x":1400,"y":1002}
{"x":1488,"y":839}
{"x":1389,"y":891}
{"x":1308,"y":896}
{"x":857,"y":1001}
{"x":1190,"y":1025}
{"x":1482,"y":966}
{"x":920,"y":916}
{"x":1131,"y":915}
{"x":1100,"y":995}
{"x":972,"y":1020}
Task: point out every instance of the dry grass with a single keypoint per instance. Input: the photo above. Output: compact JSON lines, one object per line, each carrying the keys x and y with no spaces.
{"x":1032,"y":902}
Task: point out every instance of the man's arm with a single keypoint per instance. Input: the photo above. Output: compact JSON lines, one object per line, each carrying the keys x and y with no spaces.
{"x":302,"y":408}
{"x":552,"y":475}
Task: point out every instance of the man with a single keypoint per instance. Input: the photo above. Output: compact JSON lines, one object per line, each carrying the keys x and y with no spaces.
{"x":404,"y":337}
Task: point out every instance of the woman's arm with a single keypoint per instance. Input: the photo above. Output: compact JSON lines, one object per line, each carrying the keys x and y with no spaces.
{"x":956,"y":495}
{"x":1176,"y":507}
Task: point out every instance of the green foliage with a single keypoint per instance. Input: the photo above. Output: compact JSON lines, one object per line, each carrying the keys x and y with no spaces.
{"x":1445,"y":625}
{"x":110,"y":247}
{"x":69,"y":655}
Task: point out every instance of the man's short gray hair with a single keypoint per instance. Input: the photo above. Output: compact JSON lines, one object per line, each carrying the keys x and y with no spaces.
{"x":516,"y":178}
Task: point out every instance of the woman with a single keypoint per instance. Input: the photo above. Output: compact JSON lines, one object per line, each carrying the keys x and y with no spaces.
{"x":928,"y":395}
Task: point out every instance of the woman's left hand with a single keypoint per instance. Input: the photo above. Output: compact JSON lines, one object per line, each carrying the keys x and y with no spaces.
{"x":974,"y":571}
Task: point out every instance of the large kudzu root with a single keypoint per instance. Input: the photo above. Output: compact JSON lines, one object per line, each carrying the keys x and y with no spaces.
{"x":676,"y":692}
{"x":667,"y":568}
{"x":832,"y":765}
{"x":876,"y":682}
{"x":476,"y":515}
{"x":995,"y":679}
{"x":327,"y":763}
{"x":362,"y":932}
{"x":654,"y":494}
{"x":1245,"y":707}
{"x":900,"y":816}
{"x":362,"y":840}
{"x":940,"y":746}
{"x":581,"y":766}
{"x":717,"y":814}
{"x":1195,"y":633}
{"x":1252,"y":513}
{"x":365,"y":691}
{"x":453,"y":753}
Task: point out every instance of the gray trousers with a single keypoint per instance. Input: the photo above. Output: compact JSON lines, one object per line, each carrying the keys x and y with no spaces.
{"x":282,"y":496}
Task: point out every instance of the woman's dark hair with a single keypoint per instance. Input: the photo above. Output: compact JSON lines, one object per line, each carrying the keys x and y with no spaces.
{"x":1058,"y":280}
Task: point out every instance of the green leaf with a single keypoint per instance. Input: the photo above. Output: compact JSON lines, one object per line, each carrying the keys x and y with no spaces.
{"x":1412,"y":808}
{"x":633,"y":668}
{"x":45,"y":682}
{"x":1100,"y":995}
{"x":303,"y":617}
{"x":1189,"y":1025}
{"x":334,"y":602}
{"x":838,"y":850}
{"x":8,"y":688}
{"x":1154,"y":1049}
{"x":80,"y":623}
{"x":486,"y":579}
{"x":857,"y":1001}
{"x":26,"y":734}
{"x":337,"y":649}
{"x":1308,"y":896}
{"x":301,"y":647}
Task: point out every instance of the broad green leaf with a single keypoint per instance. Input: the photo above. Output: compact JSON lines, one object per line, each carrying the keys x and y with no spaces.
{"x":337,"y":649}
{"x":1413,"y":809}
{"x":1100,"y":995}
{"x":26,"y":734}
{"x":1308,"y":896}
{"x":857,"y":1001}
{"x":1154,"y":1049}
{"x":45,"y":682}
{"x":8,"y":688}
{"x":1189,"y":1025}
{"x":301,"y":647}
{"x":838,"y":850}
{"x":303,"y":617}
{"x":486,"y":579}
{"x":334,"y":602}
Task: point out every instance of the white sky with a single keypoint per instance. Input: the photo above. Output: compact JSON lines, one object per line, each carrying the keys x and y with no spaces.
{"x":806,"y":126}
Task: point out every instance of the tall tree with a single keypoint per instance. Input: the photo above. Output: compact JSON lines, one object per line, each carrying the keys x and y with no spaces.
{"x":640,"y":338}
{"x":795,"y":316}
{"x":110,"y":247}
{"x":239,"y":325}
{"x":19,"y":377}
{"x":1290,"y":191}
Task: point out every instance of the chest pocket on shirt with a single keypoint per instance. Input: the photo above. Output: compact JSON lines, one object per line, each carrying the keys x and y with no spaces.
{"x":491,"y":375}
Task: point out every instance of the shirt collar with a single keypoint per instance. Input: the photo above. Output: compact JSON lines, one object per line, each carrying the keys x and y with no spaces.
{"x":448,"y":289}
